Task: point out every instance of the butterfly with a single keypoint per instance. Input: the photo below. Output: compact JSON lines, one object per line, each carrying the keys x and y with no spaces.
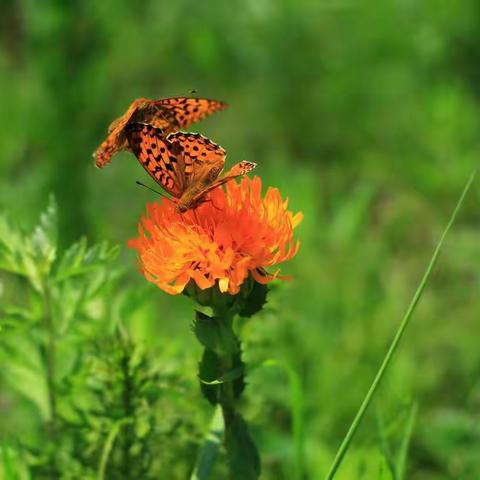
{"x":169,"y":114}
{"x":186,"y":165}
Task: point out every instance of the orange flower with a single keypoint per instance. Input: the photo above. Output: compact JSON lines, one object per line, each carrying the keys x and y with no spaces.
{"x":234,"y":233}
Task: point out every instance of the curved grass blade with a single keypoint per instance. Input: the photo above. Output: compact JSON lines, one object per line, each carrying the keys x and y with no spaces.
{"x":342,"y":450}
{"x":107,"y":448}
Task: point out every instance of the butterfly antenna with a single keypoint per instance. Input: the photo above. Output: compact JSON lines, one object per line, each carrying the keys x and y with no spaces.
{"x":150,"y":188}
{"x":193,"y":91}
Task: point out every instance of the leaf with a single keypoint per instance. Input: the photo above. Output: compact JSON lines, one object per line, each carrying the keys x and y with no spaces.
{"x":43,"y":240}
{"x":30,"y":383}
{"x":227,"y":377}
{"x":242,"y":455}
{"x":11,"y":241}
{"x":209,"y":449}
{"x":254,"y":301}
{"x":209,"y":369}
{"x":33,"y":255}
{"x":215,"y":334}
{"x":78,"y":260}
{"x":211,"y":375}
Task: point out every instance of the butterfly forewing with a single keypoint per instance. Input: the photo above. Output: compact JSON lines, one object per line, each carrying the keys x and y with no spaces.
{"x":156,"y":156}
{"x":188,"y":110}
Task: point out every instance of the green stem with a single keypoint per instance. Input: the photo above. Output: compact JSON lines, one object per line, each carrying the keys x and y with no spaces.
{"x":388,"y":357}
{"x":49,"y":355}
{"x":227,"y":396}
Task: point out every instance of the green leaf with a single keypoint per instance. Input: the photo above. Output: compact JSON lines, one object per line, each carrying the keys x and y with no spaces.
{"x":254,"y":301}
{"x":209,"y":449}
{"x":78,"y":260}
{"x":30,"y":383}
{"x":11,"y":243}
{"x":210,"y":369}
{"x":215,"y":334}
{"x":242,"y":455}
{"x":43,"y":240}
{"x":227,"y":377}
{"x":206,"y":331}
{"x":33,"y":255}
{"x":211,"y":375}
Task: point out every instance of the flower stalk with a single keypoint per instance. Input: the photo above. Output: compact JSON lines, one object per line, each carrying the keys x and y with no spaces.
{"x":222,"y":382}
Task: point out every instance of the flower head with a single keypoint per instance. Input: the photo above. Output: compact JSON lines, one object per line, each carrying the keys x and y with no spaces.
{"x":235,"y":233}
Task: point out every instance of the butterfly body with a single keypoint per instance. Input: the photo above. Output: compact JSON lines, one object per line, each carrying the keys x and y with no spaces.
{"x":168,"y":114}
{"x":186,"y":165}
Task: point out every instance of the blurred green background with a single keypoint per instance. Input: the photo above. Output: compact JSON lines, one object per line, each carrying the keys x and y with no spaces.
{"x":366,"y":115}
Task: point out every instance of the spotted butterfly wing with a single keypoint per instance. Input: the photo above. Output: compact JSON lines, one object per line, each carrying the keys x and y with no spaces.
{"x":169,"y":114}
{"x":188,"y":110}
{"x":186,"y":165}
{"x":202,"y":158}
{"x":156,"y":156}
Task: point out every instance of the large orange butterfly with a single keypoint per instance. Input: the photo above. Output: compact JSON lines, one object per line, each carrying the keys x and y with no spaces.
{"x":186,"y":165}
{"x":169,"y":114}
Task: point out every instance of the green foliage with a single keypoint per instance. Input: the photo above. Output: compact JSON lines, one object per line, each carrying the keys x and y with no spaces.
{"x":96,"y":395}
{"x":364,"y":113}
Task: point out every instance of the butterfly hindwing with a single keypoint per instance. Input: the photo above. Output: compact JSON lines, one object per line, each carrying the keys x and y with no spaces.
{"x":156,"y":156}
{"x":202,"y":158}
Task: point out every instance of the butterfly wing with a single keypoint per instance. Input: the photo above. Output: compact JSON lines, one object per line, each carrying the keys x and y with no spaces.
{"x":116,"y":140}
{"x":157,"y":156}
{"x":203,"y":159}
{"x":188,"y":110}
{"x":238,"y":170}
{"x":169,"y":114}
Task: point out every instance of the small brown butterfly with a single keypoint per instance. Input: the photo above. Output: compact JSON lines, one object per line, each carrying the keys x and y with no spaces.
{"x":186,"y":165}
{"x":169,"y":114}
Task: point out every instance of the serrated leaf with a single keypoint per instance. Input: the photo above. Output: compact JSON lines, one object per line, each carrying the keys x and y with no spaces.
{"x":43,"y":241}
{"x":78,"y":260}
{"x":11,"y":242}
{"x":242,"y":455}
{"x":254,"y":301}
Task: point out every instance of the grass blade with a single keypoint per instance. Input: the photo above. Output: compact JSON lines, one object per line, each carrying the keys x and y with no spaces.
{"x":208,"y":452}
{"x":107,"y":448}
{"x":342,"y":450}
{"x":401,"y":463}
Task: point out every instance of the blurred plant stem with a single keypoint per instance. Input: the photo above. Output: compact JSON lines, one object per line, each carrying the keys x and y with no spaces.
{"x":48,"y":352}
